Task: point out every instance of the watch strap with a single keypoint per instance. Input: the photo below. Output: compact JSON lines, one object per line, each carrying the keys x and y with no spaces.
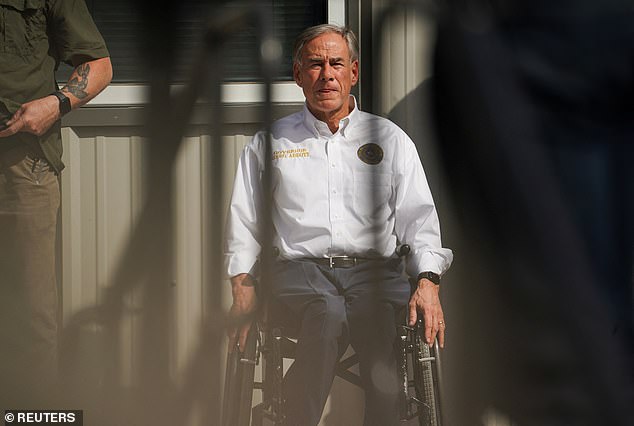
{"x":64,"y":102}
{"x":431,"y":276}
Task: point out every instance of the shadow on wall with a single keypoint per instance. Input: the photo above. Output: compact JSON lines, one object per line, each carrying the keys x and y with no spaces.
{"x":414,"y":115}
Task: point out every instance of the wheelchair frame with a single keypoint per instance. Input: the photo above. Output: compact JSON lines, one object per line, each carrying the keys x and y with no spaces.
{"x":418,"y":369}
{"x":420,"y":376}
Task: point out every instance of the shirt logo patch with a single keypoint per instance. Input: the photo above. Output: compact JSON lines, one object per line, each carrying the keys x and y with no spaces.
{"x":291,"y":153}
{"x":370,"y":153}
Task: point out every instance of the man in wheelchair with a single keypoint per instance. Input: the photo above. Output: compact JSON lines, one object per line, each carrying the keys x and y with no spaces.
{"x":347,"y":188}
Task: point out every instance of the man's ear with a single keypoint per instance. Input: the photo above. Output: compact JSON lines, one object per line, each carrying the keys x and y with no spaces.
{"x":355,"y":72}
{"x":297,"y":75}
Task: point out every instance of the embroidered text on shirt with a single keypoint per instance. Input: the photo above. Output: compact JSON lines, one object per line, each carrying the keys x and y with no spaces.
{"x":291,"y":153}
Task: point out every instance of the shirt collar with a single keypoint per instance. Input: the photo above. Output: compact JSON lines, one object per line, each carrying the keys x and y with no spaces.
{"x":319,"y":128}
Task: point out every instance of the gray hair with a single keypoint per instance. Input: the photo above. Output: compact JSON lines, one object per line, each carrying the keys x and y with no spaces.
{"x":312,"y":32}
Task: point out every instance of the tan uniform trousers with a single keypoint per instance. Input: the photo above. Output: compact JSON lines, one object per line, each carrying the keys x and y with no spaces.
{"x":29,"y":204}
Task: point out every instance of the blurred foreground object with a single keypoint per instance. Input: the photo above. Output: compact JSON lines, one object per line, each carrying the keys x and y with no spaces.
{"x":534,"y":105}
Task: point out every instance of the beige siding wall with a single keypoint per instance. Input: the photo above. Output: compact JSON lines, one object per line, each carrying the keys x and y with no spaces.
{"x":405,"y":63}
{"x":102,"y":197}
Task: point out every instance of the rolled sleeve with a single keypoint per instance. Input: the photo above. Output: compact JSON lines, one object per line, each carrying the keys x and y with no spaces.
{"x":242,"y":246}
{"x":417,"y":222}
{"x":437,"y":260}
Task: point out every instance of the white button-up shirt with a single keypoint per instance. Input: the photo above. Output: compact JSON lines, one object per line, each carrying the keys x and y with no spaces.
{"x":327,"y":201}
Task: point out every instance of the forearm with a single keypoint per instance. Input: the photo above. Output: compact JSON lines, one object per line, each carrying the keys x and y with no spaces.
{"x":243,"y":294}
{"x":238,"y":282}
{"x":242,"y":310}
{"x":38,"y":115}
{"x":87,"y":81}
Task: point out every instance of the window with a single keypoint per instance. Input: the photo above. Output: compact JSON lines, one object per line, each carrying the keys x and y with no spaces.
{"x":121,"y":25}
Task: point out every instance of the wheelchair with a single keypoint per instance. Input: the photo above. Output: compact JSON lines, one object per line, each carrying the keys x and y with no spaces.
{"x":418,"y":369}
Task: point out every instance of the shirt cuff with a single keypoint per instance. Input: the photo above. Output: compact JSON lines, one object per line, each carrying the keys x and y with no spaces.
{"x":235,"y":265}
{"x":437,"y":261}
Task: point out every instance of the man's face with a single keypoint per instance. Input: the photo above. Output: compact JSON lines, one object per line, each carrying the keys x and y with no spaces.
{"x":326,"y":75}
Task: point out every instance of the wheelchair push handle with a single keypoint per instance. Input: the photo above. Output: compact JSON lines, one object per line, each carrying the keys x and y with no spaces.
{"x":402,"y":250}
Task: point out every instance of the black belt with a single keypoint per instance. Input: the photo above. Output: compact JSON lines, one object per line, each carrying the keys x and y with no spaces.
{"x":337,"y":261}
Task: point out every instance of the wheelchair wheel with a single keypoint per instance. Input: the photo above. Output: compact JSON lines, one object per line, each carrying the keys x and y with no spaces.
{"x":426,"y":381}
{"x":238,"y":395}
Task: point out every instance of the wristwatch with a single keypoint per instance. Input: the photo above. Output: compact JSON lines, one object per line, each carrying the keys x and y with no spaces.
{"x":64,"y":103}
{"x":431,"y":276}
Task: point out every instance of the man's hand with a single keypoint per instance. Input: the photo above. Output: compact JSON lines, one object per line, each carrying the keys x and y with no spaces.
{"x":426,"y":301}
{"x":244,"y":304}
{"x":85,"y":82}
{"x":34,"y":117}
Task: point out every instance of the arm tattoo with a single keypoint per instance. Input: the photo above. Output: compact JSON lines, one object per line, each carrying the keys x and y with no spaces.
{"x":77,"y":84}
